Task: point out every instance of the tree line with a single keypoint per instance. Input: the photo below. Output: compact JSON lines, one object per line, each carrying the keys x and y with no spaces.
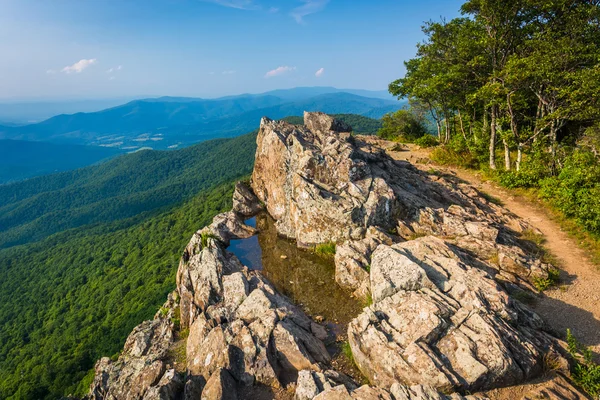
{"x":511,"y":77}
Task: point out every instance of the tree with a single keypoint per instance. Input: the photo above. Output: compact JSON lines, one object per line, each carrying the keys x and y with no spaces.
{"x":402,"y":124}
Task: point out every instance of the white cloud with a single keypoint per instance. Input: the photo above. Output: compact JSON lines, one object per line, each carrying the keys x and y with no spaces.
{"x":228,"y":72}
{"x":320,"y":72}
{"x":279,"y":71}
{"x":308,"y":7}
{"x":239,"y":4}
{"x":111,"y":78}
{"x":114,"y":69}
{"x":79,"y":66}
{"x":273,"y":10}
{"x":50,"y":71}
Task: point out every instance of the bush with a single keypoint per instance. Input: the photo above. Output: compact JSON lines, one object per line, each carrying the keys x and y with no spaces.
{"x":427,"y":141}
{"x":445,"y":155}
{"x":401,"y":125}
{"x":576,"y":190}
{"x":585,"y":372}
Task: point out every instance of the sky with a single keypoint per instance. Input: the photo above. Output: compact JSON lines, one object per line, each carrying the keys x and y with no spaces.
{"x":74,"y":49}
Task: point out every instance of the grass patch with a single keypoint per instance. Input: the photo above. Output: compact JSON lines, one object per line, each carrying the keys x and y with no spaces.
{"x":368,"y":268}
{"x":492,"y":199}
{"x":585,"y":372}
{"x":347,"y":351}
{"x":205,"y":237}
{"x":444,"y":155}
{"x":417,"y":235}
{"x":326,"y":250}
{"x":368,"y":301}
{"x":532,"y":236}
{"x":494,"y":259}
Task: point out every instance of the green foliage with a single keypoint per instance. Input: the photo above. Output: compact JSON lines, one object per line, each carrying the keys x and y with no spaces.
{"x":74,"y":297}
{"x":585,"y":372}
{"x":576,"y":190}
{"x":104,"y":259}
{"x":541,"y":284}
{"x":205,"y":237}
{"x":426,"y":141}
{"x":402,"y":125}
{"x":325,"y":249}
{"x":347,"y":351}
{"x":446,"y":155}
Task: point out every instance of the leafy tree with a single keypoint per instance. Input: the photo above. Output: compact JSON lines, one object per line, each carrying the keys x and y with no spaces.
{"x":402,"y":124}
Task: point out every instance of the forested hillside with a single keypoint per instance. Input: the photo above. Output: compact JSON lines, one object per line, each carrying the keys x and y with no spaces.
{"x":517,"y":81}
{"x":104,"y":243}
{"x":120,"y":188}
{"x":74,"y":297}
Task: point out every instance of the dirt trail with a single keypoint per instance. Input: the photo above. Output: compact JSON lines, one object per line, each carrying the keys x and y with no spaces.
{"x":575,"y":304}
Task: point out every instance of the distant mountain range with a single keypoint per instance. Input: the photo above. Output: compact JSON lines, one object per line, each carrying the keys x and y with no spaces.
{"x":170,"y":122}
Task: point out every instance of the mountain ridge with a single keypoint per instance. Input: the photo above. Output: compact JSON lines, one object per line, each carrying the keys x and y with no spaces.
{"x":173,"y":121}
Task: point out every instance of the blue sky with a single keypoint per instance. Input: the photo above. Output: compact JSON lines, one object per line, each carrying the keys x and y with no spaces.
{"x":205,"y":48}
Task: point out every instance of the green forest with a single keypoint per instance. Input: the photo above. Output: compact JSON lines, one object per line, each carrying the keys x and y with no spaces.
{"x":513,"y":88}
{"x":120,"y":188}
{"x":103,"y":245}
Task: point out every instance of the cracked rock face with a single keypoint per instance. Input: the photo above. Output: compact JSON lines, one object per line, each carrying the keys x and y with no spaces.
{"x":437,"y":320}
{"x":437,"y":259}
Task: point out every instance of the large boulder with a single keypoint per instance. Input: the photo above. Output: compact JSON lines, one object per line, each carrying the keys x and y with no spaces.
{"x":439,"y":320}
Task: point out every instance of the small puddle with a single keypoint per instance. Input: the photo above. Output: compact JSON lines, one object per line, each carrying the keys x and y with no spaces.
{"x":307,"y":279}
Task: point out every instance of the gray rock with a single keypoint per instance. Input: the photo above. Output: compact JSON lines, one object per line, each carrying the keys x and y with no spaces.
{"x":245,"y":202}
{"x":220,"y":386}
{"x":438,"y":321}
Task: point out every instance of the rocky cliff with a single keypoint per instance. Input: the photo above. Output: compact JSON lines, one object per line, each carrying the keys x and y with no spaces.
{"x":439,"y":264}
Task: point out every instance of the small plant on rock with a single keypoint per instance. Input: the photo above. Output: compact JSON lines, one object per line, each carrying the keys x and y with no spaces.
{"x":205,"y":237}
{"x":585,"y":372}
{"x":542,"y":284}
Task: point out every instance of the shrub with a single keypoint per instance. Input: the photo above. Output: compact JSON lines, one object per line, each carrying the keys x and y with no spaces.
{"x":585,"y":372}
{"x":427,"y":141}
{"x":542,"y":284}
{"x":576,"y":190}
{"x":401,"y":125}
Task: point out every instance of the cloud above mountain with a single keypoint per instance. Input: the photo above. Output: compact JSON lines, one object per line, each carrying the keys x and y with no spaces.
{"x":279,"y":71}
{"x":320,"y":72}
{"x":79,"y":66}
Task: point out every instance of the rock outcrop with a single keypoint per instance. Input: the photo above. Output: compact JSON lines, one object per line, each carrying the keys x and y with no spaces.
{"x":437,"y":259}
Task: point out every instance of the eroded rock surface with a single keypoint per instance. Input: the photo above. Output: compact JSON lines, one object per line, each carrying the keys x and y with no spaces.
{"x":436,"y":258}
{"x":440,"y":319}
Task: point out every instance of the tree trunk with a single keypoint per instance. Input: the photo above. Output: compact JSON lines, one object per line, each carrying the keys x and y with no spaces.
{"x":493,"y":139}
{"x":462,"y":127}
{"x":519,"y":156}
{"x":507,"y":163}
